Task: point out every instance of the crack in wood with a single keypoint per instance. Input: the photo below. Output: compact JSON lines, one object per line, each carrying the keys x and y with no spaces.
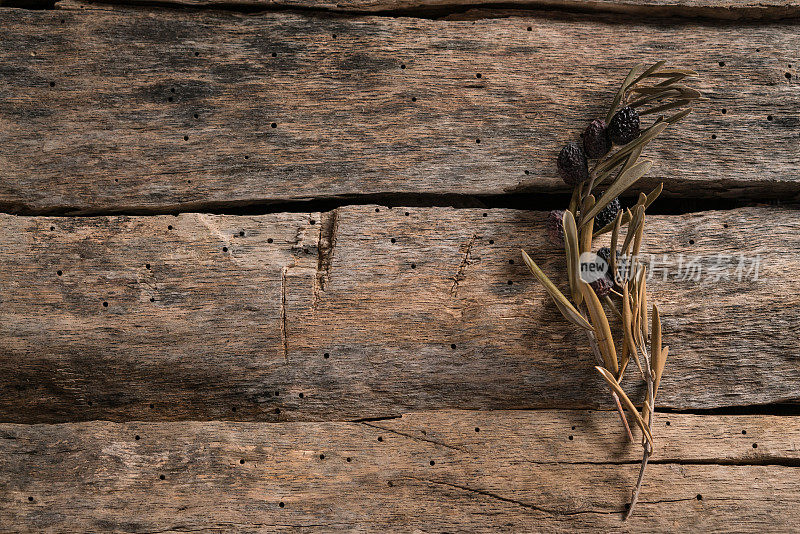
{"x":284,"y":337}
{"x":329,"y":224}
{"x":417,"y":438}
{"x":462,"y":266}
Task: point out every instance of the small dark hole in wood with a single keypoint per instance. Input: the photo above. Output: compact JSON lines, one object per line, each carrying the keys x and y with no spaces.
{"x":485,"y":214}
{"x":699,"y":497}
{"x":59,"y":273}
{"x":349,"y":459}
{"x":432,"y":462}
{"x":725,"y":225}
{"x":424,"y":433}
{"x":478,"y":75}
{"x":453,"y":346}
{"x":241,"y":233}
{"x":402,"y":66}
{"x":169,"y":227}
{"x":224,"y":249}
{"x":389,"y":483}
{"x":788,"y":76}
{"x":511,"y":262}
{"x":721,"y":63}
{"x":52,"y":84}
{"x":713,"y":136}
{"x":277,"y":411}
{"x":724,"y":111}
{"x":62,"y":21}
{"x":277,"y":393}
{"x":755,"y":445}
{"x":116,"y":180}
{"x":326,"y":355}
{"x":105,"y":304}
{"x":300,"y":395}
{"x":152,"y":299}
{"x":170,"y":99}
{"x":269,"y":240}
{"x":334,"y":36}
{"x":573,"y":428}
{"x":89,"y":403}
{"x":744,"y":432}
{"x":188,"y":181}
{"x":691,"y":241}
{"x":377,"y":210}
{"x":281,"y":504}
{"x":667,"y":423}
{"x":758,"y":50}
{"x":196,"y":116}
{"x":407,"y":214}
{"x":241,"y":461}
{"x":30,"y":499}
{"x":136,"y":437}
{"x":321,"y":456}
{"x":413,"y":265}
{"x":196,"y":54}
{"x":380,"y":438}
{"x":571,"y":438}
{"x":274,"y":54}
{"x":247,"y":157}
{"x":530,"y":29}
{"x":52,"y":228}
{"x":274,"y":125}
{"x":162,"y":477}
{"x":478,"y":141}
{"x":477,"y":429}
{"x":527,"y":171}
{"x":312,"y":222}
{"x":393,"y":240}
{"x":185,"y":137}
{"x":172,"y":90}
{"x":491,"y":241}
{"x":511,"y":282}
{"x":413,"y":98}
{"x":152,"y":406}
{"x":769,"y":117}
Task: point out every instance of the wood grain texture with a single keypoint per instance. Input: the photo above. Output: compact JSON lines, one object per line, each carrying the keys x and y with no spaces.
{"x":363,"y":312}
{"x":422,"y":473}
{"x":89,"y":121}
{"x":712,"y":9}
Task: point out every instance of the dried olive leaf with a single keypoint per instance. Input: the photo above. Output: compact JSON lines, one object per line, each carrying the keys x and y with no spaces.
{"x":586,"y":230}
{"x":627,"y":328}
{"x":609,"y":378}
{"x":650,"y":70}
{"x":665,"y":107}
{"x":601,"y":327}
{"x":614,"y":240}
{"x":619,"y":186}
{"x":656,"y":359}
{"x":566,"y":308}
{"x":637,"y":239}
{"x":621,"y":93}
{"x":664,"y":355}
{"x":571,"y":247}
{"x":643,"y":304}
{"x":633,"y":227}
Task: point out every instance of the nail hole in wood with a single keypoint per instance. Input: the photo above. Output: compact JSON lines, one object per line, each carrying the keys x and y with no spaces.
{"x":196,"y":54}
{"x":744,"y":432}
{"x":511,"y":262}
{"x":269,"y":240}
{"x":233,"y":408}
{"x":185,"y":137}
{"x":724,"y":111}
{"x":478,"y":75}
{"x":713,"y":136}
{"x":59,"y":273}
{"x":721,"y":63}
{"x":281,"y":504}
{"x":478,"y":141}
{"x":349,"y":459}
{"x":511,"y":282}
{"x":241,"y":233}
{"x":105,"y":304}
{"x":377,"y":210}
{"x":491,"y":241}
{"x":52,"y":228}
{"x":667,"y":423}
{"x":571,"y":438}
{"x":573,"y":428}
{"x":277,"y":411}
{"x":432,"y":462}
{"x":312,"y":222}
{"x":162,"y":477}
{"x":402,"y":66}
{"x":755,"y":445}
{"x":380,"y":438}
{"x":393,"y":240}
{"x":527,"y":171}
{"x":136,"y":437}
{"x":30,"y":499}
{"x":152,"y":299}
{"x":241,"y":461}
{"x":788,"y":76}
{"x":407,"y":214}
{"x":274,"y":54}
{"x":699,"y":497}
{"x":170,"y":99}
{"x":485,"y":214}
{"x":169,"y":227}
{"x":196,"y":116}
{"x":274,"y":125}
{"x":52,"y":84}
{"x":453,"y":346}
{"x":413,"y":98}
{"x":413,"y":265}
{"x":326,"y":355}
{"x":477,"y":429}
{"x":321,"y":456}
{"x":152,"y":406}
{"x":224,"y":249}
{"x":691,"y":241}
{"x":769,"y":117}
{"x":530,"y":29}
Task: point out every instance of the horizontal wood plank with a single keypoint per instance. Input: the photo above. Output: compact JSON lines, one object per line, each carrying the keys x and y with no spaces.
{"x":712,"y":9}
{"x":425,"y":472}
{"x":366,"y":312}
{"x":123,"y":109}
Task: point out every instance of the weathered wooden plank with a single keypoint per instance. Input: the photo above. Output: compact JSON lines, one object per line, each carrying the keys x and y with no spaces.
{"x":363,"y":312}
{"x":434,"y":472}
{"x":122,"y":109}
{"x":714,"y":9}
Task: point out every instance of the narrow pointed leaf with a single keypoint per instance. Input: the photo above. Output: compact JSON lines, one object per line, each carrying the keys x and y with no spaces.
{"x":656,"y":360}
{"x":564,"y":305}
{"x":679,"y":116}
{"x":665,"y":107}
{"x":571,"y":247}
{"x":601,"y":327}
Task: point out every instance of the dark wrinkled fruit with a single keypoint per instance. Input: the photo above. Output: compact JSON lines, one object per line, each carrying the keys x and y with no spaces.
{"x":596,"y":142}
{"x":607,"y":215}
{"x":605,"y":254}
{"x":624,"y":126}
{"x":572,"y":164}
{"x":555,"y":227}
{"x":602,"y":286}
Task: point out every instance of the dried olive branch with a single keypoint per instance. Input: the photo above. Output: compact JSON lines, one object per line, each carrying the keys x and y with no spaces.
{"x":622,"y":287}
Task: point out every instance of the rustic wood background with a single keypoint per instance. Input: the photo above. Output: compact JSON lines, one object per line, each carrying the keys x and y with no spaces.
{"x":261,"y":272}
